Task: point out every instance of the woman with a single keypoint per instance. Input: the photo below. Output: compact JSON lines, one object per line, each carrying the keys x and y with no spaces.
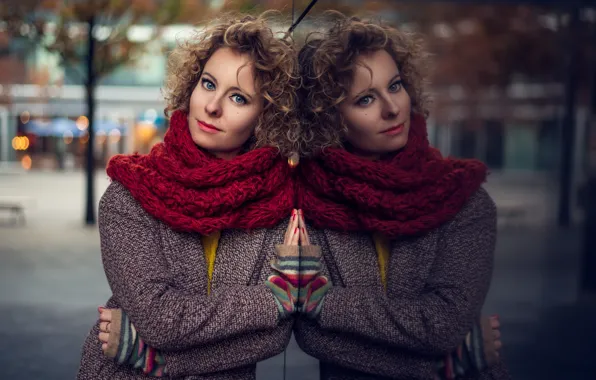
{"x":407,"y":237}
{"x":188,"y":231}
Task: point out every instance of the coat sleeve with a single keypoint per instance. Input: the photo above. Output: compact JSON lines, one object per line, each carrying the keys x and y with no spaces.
{"x":223,"y":355}
{"x":437,"y":320}
{"x":370,"y":358}
{"x":229,"y":354}
{"x":374,"y":360}
{"x":165,"y":317}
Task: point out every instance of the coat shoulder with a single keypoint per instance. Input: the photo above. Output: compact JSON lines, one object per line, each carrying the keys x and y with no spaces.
{"x":118,"y":199}
{"x":479,"y":206}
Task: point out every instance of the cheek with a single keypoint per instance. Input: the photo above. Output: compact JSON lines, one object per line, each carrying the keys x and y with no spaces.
{"x":407,"y":106}
{"x":244,"y":120}
{"x":195,"y":101}
{"x":361,"y":121}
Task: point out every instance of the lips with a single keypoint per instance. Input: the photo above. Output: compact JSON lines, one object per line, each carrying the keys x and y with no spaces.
{"x":396,"y":129}
{"x":207,"y":127}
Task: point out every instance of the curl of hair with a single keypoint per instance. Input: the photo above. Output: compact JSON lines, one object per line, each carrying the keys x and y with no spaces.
{"x":327,"y":61}
{"x":275,"y":69}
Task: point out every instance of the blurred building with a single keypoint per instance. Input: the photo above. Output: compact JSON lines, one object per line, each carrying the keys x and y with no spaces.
{"x":35,"y":87}
{"x":513,"y":129}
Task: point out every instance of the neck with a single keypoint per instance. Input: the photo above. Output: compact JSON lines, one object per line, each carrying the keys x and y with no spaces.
{"x":226,"y":155}
{"x":362,"y":154}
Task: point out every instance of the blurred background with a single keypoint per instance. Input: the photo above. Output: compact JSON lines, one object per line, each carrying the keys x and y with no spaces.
{"x":514,"y":85}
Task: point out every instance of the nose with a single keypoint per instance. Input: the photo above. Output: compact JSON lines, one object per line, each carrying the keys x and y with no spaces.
{"x":213,"y":107}
{"x":390,"y":108}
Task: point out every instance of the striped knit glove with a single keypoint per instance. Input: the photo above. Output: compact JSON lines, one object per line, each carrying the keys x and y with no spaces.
{"x":285,"y":279}
{"x":313,"y":287}
{"x":471,"y":356}
{"x":127,"y":348}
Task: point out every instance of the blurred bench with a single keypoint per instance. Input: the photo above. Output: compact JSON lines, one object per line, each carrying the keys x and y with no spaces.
{"x":15,"y":206}
{"x":511,"y":214}
{"x":11,"y":168}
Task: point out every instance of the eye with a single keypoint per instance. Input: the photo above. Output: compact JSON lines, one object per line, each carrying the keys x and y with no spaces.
{"x":207,"y":84}
{"x":395,"y":86}
{"x":238,"y":99}
{"x":365,"y":100}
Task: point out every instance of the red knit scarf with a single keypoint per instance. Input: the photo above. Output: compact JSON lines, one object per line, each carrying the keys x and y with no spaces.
{"x":414,"y":191}
{"x":192,"y":190}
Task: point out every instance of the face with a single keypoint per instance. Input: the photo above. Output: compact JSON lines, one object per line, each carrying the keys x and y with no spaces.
{"x":377,"y":109}
{"x":225,"y":105}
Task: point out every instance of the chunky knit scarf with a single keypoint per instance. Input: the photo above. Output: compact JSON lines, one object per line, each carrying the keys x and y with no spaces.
{"x":414,"y":191}
{"x":192,"y":190}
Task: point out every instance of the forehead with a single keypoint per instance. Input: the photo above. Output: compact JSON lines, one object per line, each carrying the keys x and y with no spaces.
{"x":374,"y":68}
{"x":231,"y":68}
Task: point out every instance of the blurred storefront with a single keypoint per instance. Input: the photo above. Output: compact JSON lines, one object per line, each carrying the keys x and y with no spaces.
{"x":129,"y":97}
{"x":514,"y":130}
{"x":127,"y":120}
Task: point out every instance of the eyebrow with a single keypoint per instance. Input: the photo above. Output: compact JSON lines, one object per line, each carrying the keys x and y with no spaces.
{"x":235,"y":88}
{"x":396,"y":76}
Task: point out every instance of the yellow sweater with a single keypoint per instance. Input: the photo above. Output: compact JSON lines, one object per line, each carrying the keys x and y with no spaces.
{"x":383,"y":248}
{"x":210,"y":243}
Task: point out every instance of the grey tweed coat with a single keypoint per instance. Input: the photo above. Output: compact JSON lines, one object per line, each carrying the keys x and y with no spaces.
{"x":436,"y":286}
{"x":159,"y":278}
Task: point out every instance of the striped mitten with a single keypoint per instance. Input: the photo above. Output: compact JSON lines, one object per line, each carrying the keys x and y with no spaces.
{"x":132,"y":350}
{"x":455,"y":364}
{"x":315,"y":296}
{"x":468,"y":358}
{"x":313,"y":287}
{"x":285,"y":279}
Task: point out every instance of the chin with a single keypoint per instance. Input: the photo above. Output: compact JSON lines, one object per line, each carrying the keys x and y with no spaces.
{"x":204,"y":142}
{"x":396,"y":145}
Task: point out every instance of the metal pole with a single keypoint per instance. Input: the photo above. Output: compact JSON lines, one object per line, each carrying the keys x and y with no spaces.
{"x":568,"y":125}
{"x":90,"y":95}
{"x":4,"y":137}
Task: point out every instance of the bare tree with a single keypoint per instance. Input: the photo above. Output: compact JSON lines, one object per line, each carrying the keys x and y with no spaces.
{"x":91,"y":39}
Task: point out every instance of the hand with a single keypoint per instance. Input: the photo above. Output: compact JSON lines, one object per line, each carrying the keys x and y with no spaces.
{"x":304,"y":239}
{"x":137,"y":353}
{"x":284,"y":280}
{"x":292,"y":232}
{"x":313,"y":286}
{"x":315,"y":292}
{"x":492,"y":342}
{"x":105,"y":317}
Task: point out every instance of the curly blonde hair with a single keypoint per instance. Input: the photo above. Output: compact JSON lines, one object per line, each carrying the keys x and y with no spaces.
{"x":327,"y":61}
{"x":275,"y":68}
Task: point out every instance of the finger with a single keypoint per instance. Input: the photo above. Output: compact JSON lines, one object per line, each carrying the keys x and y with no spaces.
{"x":295,"y":236}
{"x":296,"y":220}
{"x":498,"y":344}
{"x":103,"y":337}
{"x":293,"y":226}
{"x":104,"y":347}
{"x":105,"y":315}
{"x":103,"y":327}
{"x":495,"y":323}
{"x":304,"y":238}
{"x":300,"y":226}
{"x":497,"y":334}
{"x":289,"y":230}
{"x":301,"y":219}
